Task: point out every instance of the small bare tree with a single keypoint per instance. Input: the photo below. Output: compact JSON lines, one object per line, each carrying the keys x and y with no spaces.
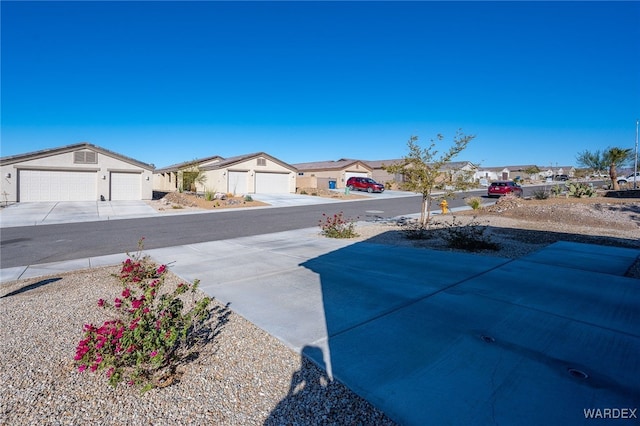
{"x":425,"y":173}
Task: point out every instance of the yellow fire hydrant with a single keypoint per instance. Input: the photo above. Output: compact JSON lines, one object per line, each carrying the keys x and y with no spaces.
{"x":444,"y":206}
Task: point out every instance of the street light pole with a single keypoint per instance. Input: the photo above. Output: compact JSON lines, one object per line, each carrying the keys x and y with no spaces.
{"x":635,"y":160}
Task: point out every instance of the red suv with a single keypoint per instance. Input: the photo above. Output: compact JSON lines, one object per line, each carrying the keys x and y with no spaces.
{"x":496,"y":189}
{"x":364,"y":184}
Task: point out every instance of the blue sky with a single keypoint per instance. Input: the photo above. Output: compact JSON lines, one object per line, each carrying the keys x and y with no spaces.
{"x":166,"y":82}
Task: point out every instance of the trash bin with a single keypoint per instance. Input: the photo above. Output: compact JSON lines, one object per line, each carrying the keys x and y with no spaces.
{"x":332,"y":184}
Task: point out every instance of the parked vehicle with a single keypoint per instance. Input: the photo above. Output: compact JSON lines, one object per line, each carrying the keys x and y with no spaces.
{"x":561,"y":177}
{"x":629,"y":179}
{"x":364,"y":184}
{"x":503,"y":187}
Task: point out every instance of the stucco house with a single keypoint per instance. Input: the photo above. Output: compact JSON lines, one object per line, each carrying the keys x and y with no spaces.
{"x":524,"y":171}
{"x":171,"y":178}
{"x":79,"y":172}
{"x":244,"y":174}
{"x":382,"y":176}
{"x":464,"y":169}
{"x":330,"y":174}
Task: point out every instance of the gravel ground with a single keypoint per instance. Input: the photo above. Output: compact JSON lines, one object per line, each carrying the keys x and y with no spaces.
{"x":244,"y":376}
{"x":521,"y":227}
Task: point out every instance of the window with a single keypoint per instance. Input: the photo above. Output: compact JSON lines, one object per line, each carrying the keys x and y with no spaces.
{"x":262,"y":161}
{"x":85,"y":157}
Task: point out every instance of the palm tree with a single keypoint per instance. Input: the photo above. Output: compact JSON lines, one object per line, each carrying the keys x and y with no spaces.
{"x":614,"y":157}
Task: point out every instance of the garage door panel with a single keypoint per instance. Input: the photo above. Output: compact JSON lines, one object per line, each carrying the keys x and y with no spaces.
{"x":348,"y":175}
{"x":272,"y":183}
{"x":238,"y":182}
{"x":126,"y":186}
{"x":57,"y":185}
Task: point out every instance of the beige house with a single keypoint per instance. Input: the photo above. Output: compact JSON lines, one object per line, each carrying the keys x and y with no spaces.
{"x":524,"y":171}
{"x":454,"y":169}
{"x":80,"y":172}
{"x":245,"y":174}
{"x":382,"y":176}
{"x":330,"y":174}
{"x":171,"y":178}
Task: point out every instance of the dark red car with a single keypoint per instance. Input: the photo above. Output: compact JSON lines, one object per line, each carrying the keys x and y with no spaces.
{"x":497,"y":189}
{"x":364,"y":184}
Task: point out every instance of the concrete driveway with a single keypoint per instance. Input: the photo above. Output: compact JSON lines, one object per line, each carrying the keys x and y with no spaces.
{"x":47,"y":213}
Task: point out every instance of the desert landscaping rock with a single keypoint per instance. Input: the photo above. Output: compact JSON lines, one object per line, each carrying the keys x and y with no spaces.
{"x":243,"y":377}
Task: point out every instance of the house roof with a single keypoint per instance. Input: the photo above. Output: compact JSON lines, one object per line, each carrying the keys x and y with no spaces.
{"x":341,"y":164}
{"x":377,"y":164}
{"x":185,"y":164}
{"x":523,"y":167}
{"x":241,"y":158}
{"x":70,"y":148}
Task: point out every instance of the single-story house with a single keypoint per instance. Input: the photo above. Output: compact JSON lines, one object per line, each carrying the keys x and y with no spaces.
{"x":526,"y":171}
{"x":382,"y":176}
{"x":80,"y":172}
{"x":244,"y":174}
{"x":171,"y":178}
{"x":330,"y":174}
{"x":464,"y":169}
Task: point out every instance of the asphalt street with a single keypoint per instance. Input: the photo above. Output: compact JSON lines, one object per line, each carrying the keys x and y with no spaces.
{"x":27,"y":245}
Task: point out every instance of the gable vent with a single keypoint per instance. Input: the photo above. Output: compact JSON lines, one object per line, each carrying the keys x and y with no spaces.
{"x":262,"y":161}
{"x":85,"y":157}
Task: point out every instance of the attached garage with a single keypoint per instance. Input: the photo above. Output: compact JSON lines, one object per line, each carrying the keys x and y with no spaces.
{"x":272,"y":183}
{"x":348,"y":175}
{"x":125,"y":186}
{"x":238,"y":182}
{"x":57,"y":185}
{"x":80,"y":172}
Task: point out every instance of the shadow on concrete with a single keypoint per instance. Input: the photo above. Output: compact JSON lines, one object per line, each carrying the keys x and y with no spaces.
{"x":314,"y":398}
{"x":31,"y":287}
{"x":441,"y":337}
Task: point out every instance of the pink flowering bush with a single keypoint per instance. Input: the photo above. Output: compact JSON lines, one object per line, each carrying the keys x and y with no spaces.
{"x":151,"y":330}
{"x":337,"y":226}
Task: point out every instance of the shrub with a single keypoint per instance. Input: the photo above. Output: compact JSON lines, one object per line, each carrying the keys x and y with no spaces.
{"x":580,"y":190}
{"x":248,"y":198}
{"x":541,"y":194}
{"x":415,"y":230}
{"x":151,"y":332}
{"x":209,"y":195}
{"x":337,"y":226}
{"x":474,"y":202}
{"x":470,"y":237}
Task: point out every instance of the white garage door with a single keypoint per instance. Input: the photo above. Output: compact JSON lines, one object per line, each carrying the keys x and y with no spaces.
{"x":238,"y":183}
{"x":126,"y":186}
{"x":272,"y":183}
{"x":347,"y":175}
{"x":53,"y":185}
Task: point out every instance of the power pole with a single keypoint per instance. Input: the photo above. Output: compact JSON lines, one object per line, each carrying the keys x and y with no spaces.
{"x":635,"y":161}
